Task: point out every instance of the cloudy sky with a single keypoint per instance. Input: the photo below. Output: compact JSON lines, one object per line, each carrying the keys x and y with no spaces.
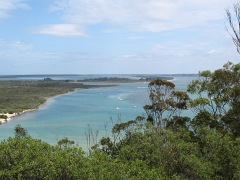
{"x":114,"y":36}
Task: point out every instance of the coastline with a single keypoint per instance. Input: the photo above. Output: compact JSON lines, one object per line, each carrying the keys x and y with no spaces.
{"x":6,"y":117}
{"x":10,"y":116}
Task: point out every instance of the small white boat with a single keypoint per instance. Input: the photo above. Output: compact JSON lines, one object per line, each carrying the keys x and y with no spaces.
{"x":119,"y":98}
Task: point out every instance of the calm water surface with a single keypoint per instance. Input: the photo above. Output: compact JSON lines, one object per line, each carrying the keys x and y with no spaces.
{"x":71,"y":115}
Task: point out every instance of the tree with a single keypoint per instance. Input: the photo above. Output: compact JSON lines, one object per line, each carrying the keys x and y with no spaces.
{"x":233,"y":16}
{"x":65,"y":143}
{"x":218,"y":98}
{"x":28,"y":158}
{"x":20,"y":132}
{"x":165,"y":102}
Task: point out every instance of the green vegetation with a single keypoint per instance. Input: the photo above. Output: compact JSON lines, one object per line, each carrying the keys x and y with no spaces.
{"x":124,"y":80}
{"x":162,"y":145}
{"x":17,"y":96}
{"x":3,"y":117}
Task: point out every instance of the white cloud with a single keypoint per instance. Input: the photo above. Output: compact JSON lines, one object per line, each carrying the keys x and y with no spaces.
{"x":61,"y":30}
{"x":6,"y":6}
{"x":212,"y":51}
{"x":142,"y":15}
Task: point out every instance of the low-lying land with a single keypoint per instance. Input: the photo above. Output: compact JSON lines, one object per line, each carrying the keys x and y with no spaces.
{"x":19,"y":96}
{"x":124,"y":80}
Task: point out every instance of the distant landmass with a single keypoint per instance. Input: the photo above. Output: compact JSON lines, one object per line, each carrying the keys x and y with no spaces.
{"x":95,"y":77}
{"x":124,"y":80}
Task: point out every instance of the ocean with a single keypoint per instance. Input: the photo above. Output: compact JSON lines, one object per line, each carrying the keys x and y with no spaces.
{"x":75,"y":114}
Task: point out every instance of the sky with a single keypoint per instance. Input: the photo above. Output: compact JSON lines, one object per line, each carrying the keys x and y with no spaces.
{"x":114,"y":36}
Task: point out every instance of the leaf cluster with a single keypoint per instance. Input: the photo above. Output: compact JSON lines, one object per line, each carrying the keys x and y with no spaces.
{"x":217,"y":99}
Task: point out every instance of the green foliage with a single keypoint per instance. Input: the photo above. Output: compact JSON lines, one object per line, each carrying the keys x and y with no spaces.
{"x":218,"y":97}
{"x":221,"y":151}
{"x":102,"y":166}
{"x":205,"y":119}
{"x":20,"y":132}
{"x":17,"y":96}
{"x":165,"y":102}
{"x":204,"y":147}
{"x":65,"y":142}
{"x":180,"y":154}
{"x":206,"y":154}
{"x":28,"y":158}
{"x":3,"y":117}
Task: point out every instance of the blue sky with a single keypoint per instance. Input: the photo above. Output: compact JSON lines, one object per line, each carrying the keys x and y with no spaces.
{"x":114,"y":36}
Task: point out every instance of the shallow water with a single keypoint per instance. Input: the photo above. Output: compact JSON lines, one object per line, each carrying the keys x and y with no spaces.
{"x":72,"y":114}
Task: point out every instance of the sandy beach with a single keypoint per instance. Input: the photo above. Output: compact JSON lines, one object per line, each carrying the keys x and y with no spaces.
{"x":9,"y":117}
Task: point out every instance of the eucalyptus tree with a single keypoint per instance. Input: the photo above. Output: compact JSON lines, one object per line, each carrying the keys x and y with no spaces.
{"x":217,"y":99}
{"x":165,"y":102}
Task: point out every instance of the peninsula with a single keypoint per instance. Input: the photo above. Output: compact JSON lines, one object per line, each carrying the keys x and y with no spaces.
{"x":17,"y":96}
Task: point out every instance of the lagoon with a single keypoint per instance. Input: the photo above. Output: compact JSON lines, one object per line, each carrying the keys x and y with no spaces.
{"x":72,"y":114}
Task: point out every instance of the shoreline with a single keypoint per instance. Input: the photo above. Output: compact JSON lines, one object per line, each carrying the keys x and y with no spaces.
{"x":10,"y":116}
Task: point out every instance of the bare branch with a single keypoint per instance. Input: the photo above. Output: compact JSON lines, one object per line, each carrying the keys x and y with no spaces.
{"x":234,"y":30}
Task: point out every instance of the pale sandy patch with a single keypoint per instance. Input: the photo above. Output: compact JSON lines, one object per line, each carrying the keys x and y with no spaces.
{"x":9,"y":117}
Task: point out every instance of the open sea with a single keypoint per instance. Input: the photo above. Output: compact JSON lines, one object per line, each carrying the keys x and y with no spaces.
{"x":72,"y":115}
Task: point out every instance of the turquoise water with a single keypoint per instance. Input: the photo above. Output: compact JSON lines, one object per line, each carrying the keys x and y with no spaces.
{"x":72,"y":114}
